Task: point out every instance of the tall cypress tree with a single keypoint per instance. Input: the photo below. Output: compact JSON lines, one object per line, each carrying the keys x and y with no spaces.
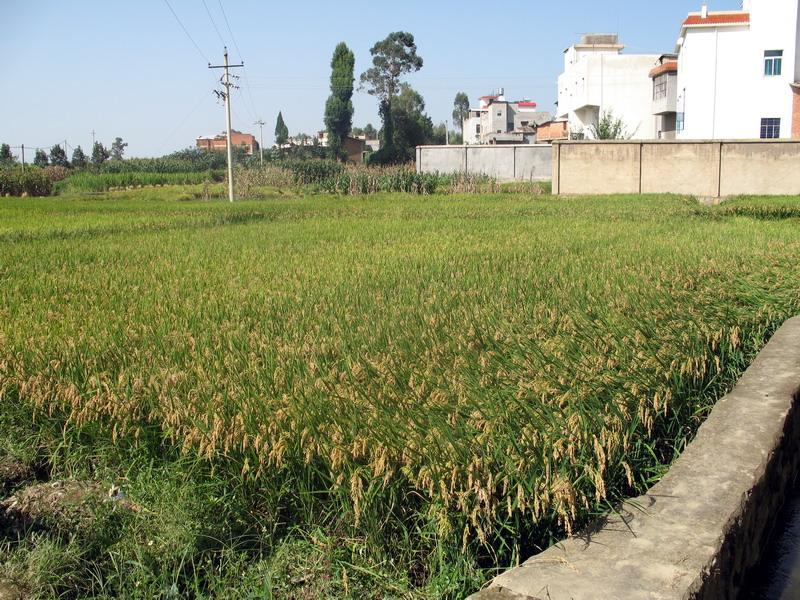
{"x":339,"y":107}
{"x":281,"y":131}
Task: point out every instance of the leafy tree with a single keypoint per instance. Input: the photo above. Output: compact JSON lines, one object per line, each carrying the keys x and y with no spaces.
{"x":118,"y":148}
{"x":6,"y":158}
{"x":411,"y":126}
{"x":58,"y":156}
{"x":281,"y":131}
{"x":460,"y":110}
{"x":99,"y":154}
{"x":439,"y":134}
{"x":339,"y":107}
{"x":392,"y":58}
{"x":370,"y":132}
{"x":40,"y":158}
{"x":79,"y":158}
{"x":610,"y":127}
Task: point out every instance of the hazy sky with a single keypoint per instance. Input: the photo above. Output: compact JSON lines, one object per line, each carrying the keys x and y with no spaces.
{"x":126,"y":68}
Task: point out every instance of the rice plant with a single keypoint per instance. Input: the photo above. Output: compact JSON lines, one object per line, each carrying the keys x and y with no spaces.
{"x":442,"y":382}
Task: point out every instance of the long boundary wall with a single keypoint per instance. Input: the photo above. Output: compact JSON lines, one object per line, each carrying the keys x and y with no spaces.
{"x":703,"y":168}
{"x":517,"y":162}
{"x":700,"y":530}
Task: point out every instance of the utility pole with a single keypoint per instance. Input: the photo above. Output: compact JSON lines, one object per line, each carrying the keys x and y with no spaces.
{"x":23,"y":157}
{"x":92,"y":139}
{"x":226,"y":95}
{"x":260,"y":124}
{"x":446,"y":134}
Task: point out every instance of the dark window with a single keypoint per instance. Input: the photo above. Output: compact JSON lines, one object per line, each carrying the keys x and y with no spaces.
{"x":770,"y":129}
{"x":499,"y":113}
{"x":478,"y":128}
{"x":659,"y":88}
{"x":773,"y":60}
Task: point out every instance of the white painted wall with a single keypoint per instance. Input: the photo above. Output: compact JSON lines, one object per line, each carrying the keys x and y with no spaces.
{"x":596,"y":81}
{"x":722,"y":89}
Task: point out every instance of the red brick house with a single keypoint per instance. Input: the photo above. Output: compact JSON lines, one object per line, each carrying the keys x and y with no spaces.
{"x":218,"y":142}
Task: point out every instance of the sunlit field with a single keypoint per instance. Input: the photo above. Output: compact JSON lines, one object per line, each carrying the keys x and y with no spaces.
{"x":384,"y":396}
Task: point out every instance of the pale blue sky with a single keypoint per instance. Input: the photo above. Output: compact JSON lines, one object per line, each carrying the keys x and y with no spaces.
{"x":126,"y":68}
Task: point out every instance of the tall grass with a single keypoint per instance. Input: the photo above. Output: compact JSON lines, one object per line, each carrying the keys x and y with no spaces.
{"x":86,"y":181}
{"x":29,"y":182}
{"x":353,"y":180}
{"x":431,"y":387}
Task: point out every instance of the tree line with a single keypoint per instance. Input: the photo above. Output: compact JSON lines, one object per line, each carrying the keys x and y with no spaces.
{"x":404,"y":122}
{"x":57,"y":157}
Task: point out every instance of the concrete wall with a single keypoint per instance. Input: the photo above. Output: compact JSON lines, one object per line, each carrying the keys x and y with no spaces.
{"x":504,"y":162}
{"x":699,"y":531}
{"x":707,"y":169}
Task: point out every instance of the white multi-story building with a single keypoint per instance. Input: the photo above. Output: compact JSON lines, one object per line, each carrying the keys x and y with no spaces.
{"x":498,"y":121}
{"x":598,"y":79}
{"x":738,"y":72}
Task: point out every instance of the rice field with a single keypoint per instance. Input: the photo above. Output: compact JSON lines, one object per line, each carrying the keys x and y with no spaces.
{"x":435,"y":385}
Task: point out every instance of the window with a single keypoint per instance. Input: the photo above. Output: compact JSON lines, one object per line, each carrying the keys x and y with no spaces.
{"x":478,"y":129}
{"x":679,"y":117}
{"x":773,"y":60}
{"x":770,"y":129}
{"x":659,"y":88}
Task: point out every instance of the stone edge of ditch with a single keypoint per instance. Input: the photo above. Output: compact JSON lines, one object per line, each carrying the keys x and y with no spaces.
{"x":698,"y":531}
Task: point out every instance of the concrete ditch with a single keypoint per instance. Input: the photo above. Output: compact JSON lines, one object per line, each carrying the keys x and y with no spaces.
{"x":699,"y":531}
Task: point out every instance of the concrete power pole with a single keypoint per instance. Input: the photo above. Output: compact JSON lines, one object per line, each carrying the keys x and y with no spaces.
{"x":92,"y":139}
{"x":226,"y":95}
{"x":260,"y":124}
{"x":23,"y":157}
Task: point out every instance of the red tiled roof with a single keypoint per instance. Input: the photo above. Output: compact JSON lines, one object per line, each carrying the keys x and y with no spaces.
{"x":527,"y":104}
{"x":667,"y":67}
{"x":719,"y":18}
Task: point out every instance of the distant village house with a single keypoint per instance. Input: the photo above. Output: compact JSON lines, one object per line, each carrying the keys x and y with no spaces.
{"x":355,"y":147}
{"x":246,"y":141}
{"x":498,"y":121}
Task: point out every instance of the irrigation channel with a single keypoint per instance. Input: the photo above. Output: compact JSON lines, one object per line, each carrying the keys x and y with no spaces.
{"x":778,"y":576}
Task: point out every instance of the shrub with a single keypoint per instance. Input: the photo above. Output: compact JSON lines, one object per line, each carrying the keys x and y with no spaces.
{"x":30,"y":182}
{"x":57,"y":172}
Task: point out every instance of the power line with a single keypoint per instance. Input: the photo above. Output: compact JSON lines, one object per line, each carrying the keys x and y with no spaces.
{"x":244,"y":69}
{"x":191,"y":39}
{"x":169,"y":137}
{"x":208,"y":12}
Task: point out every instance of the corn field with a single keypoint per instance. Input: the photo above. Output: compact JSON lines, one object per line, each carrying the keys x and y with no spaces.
{"x":487,"y":368}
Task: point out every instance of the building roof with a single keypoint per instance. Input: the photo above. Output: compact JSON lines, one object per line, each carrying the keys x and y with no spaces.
{"x":526,"y":104}
{"x":717,"y":18}
{"x":667,"y":67}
